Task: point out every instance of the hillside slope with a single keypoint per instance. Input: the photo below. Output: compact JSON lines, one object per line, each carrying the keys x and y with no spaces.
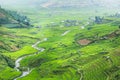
{"x":5,"y":17}
{"x":74,"y":48}
{"x":13,"y":18}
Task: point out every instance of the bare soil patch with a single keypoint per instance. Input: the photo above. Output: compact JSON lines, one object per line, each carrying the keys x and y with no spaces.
{"x":84,"y":42}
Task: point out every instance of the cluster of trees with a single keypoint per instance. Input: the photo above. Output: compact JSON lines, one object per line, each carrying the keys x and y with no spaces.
{"x":7,"y":16}
{"x":3,"y":19}
{"x":20,"y":18}
{"x":98,"y":19}
{"x":8,"y":61}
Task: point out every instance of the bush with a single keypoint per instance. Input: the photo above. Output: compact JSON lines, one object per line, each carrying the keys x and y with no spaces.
{"x":9,"y":61}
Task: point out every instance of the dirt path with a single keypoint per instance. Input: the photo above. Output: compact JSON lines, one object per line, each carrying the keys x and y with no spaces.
{"x":81,"y":78}
{"x":66,"y":32}
{"x":17,"y":62}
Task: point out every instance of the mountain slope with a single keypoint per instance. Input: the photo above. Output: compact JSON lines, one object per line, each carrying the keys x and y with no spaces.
{"x":14,"y":18}
{"x":5,"y":17}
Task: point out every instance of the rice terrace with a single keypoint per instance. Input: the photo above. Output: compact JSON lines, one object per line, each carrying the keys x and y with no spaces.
{"x":59,"y":39}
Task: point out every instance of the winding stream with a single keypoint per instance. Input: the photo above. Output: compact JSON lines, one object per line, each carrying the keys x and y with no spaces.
{"x":17,"y":62}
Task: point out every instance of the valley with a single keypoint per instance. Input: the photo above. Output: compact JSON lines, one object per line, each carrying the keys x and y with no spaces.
{"x":59,"y":44}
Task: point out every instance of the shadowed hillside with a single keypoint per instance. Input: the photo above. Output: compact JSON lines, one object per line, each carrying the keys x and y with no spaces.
{"x":13,"y":18}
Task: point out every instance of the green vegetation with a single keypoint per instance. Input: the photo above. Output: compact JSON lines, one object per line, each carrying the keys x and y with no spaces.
{"x":64,"y":59}
{"x":77,"y":47}
{"x":12,"y":17}
{"x":8,"y":73}
{"x":26,"y":50}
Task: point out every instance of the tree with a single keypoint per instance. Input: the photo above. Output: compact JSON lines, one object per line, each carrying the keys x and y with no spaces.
{"x":20,"y":18}
{"x":98,"y":20}
{"x":119,"y":26}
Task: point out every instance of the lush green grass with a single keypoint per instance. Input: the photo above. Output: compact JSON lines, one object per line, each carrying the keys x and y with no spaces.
{"x":8,"y":73}
{"x":62,"y":54}
{"x":64,"y":58}
{"x":103,"y":67}
{"x":24,"y":51}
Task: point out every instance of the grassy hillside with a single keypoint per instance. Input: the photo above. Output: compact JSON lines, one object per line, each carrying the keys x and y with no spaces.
{"x":65,"y":59}
{"x":78,"y":47}
{"x":13,"y":19}
{"x":12,"y":40}
{"x":4,"y":16}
